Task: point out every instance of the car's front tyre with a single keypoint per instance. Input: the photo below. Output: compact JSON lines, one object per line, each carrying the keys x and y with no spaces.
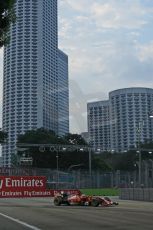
{"x":95,"y":203}
{"x":57,"y":201}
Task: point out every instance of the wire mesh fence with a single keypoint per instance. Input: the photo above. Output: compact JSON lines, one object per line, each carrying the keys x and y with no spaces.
{"x":84,"y":179}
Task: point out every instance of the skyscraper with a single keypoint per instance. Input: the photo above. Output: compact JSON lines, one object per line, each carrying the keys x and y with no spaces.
{"x":30,"y":91}
{"x":63,"y":94}
{"x":129,"y":113}
{"x":99,"y":125}
{"x":121,"y":122}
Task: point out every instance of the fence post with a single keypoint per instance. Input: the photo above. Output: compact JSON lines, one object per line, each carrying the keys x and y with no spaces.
{"x":112,"y":179}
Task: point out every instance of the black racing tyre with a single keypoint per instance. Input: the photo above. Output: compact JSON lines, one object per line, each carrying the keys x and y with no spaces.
{"x":95,"y":203}
{"x":115,"y":203}
{"x":57,"y":201}
{"x":82,"y":203}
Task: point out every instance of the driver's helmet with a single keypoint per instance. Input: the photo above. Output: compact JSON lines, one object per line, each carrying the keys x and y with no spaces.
{"x":63,"y":193}
{"x":83,"y":195}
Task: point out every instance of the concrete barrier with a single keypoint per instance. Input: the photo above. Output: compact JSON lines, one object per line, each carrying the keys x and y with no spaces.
{"x":143,"y":194}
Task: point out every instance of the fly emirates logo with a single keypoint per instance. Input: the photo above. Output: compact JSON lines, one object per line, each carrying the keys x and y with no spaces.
{"x":21,"y":182}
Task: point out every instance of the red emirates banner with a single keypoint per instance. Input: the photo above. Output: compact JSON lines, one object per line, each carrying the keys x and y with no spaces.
{"x":23,"y":186}
{"x":27,"y":186}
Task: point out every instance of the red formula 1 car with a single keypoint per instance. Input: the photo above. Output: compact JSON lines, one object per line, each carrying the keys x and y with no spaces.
{"x":82,"y":200}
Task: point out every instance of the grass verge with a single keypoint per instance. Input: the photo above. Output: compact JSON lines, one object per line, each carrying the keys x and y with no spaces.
{"x":101,"y":191}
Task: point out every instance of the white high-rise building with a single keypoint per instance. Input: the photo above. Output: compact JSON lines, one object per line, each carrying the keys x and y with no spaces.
{"x":99,"y":125}
{"x":127,"y":118}
{"x":30,"y":91}
{"x":63,"y":94}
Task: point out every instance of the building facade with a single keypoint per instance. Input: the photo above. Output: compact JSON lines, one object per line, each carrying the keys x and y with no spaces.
{"x":63,"y":94}
{"x":129,"y":121}
{"x":98,"y":125}
{"x":129,"y":115}
{"x":30,"y":90}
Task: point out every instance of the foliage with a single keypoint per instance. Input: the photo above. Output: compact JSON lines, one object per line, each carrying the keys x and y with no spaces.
{"x":40,"y":136}
{"x":66,"y":159}
{"x":104,"y":162}
{"x":48,"y":159}
{"x":7,"y":16}
{"x":121,"y":161}
{"x":127,"y":161}
{"x":147,"y":145}
{"x":75,"y":139}
{"x":99,"y":164}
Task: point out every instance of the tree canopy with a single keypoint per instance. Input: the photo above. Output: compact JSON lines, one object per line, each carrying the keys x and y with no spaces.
{"x":47,"y":158}
{"x":7,"y":16}
{"x":104,"y":161}
{"x":74,"y":139}
{"x":67,"y":158}
{"x":40,"y":136}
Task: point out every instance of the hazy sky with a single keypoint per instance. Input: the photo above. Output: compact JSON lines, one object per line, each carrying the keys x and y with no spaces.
{"x":110,"y":46}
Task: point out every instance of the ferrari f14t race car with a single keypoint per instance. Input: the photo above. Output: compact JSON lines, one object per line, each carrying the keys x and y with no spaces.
{"x":82,"y":200}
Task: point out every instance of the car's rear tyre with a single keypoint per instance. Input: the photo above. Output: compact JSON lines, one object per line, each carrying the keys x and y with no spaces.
{"x":95,"y":203}
{"x":82,"y":203}
{"x":58,"y":201}
{"x":115,"y":203}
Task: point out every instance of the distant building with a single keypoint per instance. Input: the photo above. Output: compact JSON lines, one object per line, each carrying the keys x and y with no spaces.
{"x":1,"y":161}
{"x":99,"y":125}
{"x":129,"y":116}
{"x":127,"y":121}
{"x":63,"y":94}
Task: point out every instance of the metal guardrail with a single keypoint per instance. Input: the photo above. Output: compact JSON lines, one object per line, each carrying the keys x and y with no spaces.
{"x":141,"y":194}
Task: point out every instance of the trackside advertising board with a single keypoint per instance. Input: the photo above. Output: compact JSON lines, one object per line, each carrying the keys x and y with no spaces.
{"x":23,"y":186}
{"x":26,"y":186}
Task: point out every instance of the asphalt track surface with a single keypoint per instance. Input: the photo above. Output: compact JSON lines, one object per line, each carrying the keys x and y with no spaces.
{"x":41,"y":214}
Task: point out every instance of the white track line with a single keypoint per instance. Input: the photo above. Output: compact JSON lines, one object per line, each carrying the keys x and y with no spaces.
{"x":20,"y":222}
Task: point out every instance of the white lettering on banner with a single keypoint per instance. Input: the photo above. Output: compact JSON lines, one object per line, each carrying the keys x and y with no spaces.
{"x":40,"y":193}
{"x":23,"y":186}
{"x":36,"y":193}
{"x":11,"y":193}
{"x":1,"y":183}
{"x":21,"y":183}
{"x":7,"y":182}
{"x":27,"y":193}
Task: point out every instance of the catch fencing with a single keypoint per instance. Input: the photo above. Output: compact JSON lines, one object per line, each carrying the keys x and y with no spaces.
{"x":142,"y":194}
{"x":83,"y":179}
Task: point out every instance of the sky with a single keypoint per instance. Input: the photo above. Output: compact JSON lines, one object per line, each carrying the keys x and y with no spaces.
{"x":110,"y":46}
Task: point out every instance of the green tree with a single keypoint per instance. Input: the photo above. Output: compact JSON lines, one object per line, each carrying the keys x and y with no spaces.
{"x":40,"y":136}
{"x":74,"y":139}
{"x":126,"y":161}
{"x":47,"y":158}
{"x":7,"y":16}
{"x":98,"y":163}
{"x":147,"y":145}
